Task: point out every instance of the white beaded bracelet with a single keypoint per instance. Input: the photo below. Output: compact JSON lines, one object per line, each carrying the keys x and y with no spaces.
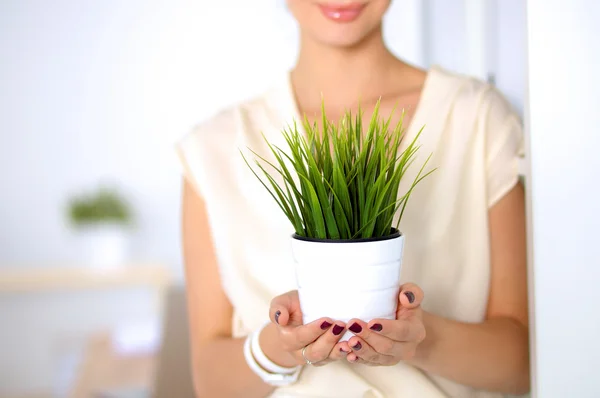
{"x":263,"y":360}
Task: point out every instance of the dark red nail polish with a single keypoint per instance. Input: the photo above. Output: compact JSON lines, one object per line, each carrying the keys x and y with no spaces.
{"x":337,"y":329}
{"x":325,"y":325}
{"x":342,"y":350}
{"x":357,"y":346}
{"x":410,"y":296}
{"x":277,"y":314}
{"x":377,"y":327}
{"x":355,"y":328}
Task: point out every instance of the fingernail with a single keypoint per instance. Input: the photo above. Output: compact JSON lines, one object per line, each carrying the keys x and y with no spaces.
{"x":337,"y":329}
{"x":277,"y":314}
{"x":377,"y":327}
{"x":357,"y":346}
{"x":410,"y":296}
{"x":325,"y":325}
{"x":342,"y":351}
{"x":355,"y":328}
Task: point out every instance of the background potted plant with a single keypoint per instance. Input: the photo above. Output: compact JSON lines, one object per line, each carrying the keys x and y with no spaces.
{"x":102,"y":220}
{"x":339,"y":188}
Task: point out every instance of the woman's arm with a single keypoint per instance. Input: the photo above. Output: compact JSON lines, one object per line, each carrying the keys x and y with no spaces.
{"x":493,"y":355}
{"x":218,"y":364}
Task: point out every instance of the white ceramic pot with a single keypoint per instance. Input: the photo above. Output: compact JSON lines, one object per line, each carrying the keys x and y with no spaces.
{"x":348,"y":279}
{"x":103,"y":245}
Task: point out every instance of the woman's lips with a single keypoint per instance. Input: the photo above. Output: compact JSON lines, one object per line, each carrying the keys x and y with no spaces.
{"x":342,"y":12}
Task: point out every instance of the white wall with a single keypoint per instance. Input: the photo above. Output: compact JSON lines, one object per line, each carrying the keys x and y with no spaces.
{"x":510,"y":50}
{"x":564,"y":94}
{"x":447,"y":41}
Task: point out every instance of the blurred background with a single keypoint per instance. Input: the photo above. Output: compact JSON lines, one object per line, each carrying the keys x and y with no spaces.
{"x":93,"y":96}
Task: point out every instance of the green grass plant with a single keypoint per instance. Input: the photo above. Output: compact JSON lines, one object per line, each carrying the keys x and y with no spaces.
{"x":340,"y":181}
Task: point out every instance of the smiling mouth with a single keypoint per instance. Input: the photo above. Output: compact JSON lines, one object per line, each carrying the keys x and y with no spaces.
{"x":346,"y":12}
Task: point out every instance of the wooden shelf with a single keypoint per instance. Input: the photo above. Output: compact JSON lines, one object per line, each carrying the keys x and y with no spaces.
{"x":27,"y":279}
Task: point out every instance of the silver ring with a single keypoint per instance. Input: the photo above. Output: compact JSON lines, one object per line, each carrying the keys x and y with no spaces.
{"x":303,"y":356}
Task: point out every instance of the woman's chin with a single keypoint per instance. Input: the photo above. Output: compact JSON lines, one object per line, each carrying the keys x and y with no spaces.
{"x":341,"y":37}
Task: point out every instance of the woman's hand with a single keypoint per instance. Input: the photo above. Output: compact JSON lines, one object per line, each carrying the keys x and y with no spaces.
{"x":319,"y":337}
{"x":385,"y":342}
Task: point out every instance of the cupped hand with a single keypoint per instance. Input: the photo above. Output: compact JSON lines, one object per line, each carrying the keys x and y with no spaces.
{"x":386,"y":342}
{"x":320,"y":337}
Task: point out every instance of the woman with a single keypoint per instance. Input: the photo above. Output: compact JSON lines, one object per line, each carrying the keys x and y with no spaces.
{"x":465,"y":226}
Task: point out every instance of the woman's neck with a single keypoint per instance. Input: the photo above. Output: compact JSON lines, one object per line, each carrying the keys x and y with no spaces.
{"x":343,"y":76}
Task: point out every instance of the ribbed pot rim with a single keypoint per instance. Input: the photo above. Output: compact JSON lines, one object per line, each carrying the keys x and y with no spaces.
{"x":394,"y":233}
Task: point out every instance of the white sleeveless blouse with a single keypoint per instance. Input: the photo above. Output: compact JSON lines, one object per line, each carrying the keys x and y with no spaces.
{"x":475,"y":137}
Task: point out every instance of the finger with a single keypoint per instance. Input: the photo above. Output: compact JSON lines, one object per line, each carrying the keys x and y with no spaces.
{"x":395,"y":350}
{"x":364,"y":351}
{"x":411,"y":295}
{"x":340,"y":351}
{"x":322,"y":347}
{"x":369,"y":332}
{"x":298,"y":337}
{"x":279,"y":315}
{"x":361,"y":361}
{"x":352,"y":357}
{"x":282,"y":308}
{"x":409,"y":330}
